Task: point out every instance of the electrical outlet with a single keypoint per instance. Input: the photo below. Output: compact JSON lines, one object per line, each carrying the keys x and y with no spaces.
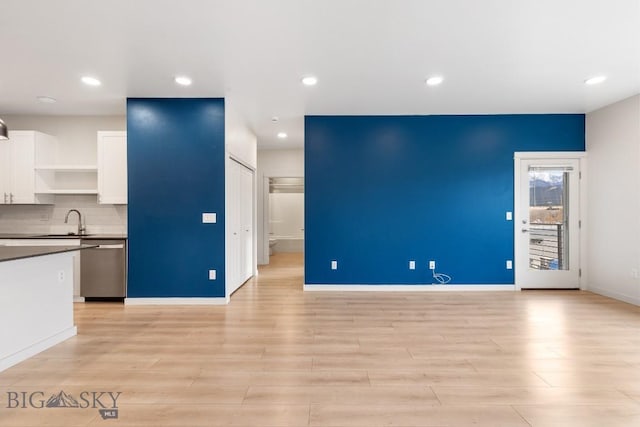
{"x":432,"y":265}
{"x":509,"y":216}
{"x":212,"y":275}
{"x":634,"y":273}
{"x":334,"y":265}
{"x":412,"y":265}
{"x":509,"y":264}
{"x":61,"y":276}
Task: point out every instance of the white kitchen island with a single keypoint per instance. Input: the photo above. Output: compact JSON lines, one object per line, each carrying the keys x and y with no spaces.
{"x":36,"y":300}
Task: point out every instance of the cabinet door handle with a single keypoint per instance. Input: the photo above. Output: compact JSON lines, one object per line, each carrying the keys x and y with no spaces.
{"x":10,"y":197}
{"x":5,"y":198}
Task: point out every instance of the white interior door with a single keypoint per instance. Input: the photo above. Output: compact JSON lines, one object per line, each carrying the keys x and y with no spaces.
{"x":246,"y":223}
{"x":233,"y":224}
{"x":547,"y":223}
{"x":240,"y":222}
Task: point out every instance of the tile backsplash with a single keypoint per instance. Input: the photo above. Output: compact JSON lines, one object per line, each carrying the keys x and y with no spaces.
{"x":49,"y":219}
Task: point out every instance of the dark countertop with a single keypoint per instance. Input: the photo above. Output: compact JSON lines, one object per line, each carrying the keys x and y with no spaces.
{"x":10,"y":253}
{"x":101,"y":236}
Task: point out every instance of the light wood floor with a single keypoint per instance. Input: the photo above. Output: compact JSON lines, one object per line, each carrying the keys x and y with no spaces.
{"x":277,"y":356}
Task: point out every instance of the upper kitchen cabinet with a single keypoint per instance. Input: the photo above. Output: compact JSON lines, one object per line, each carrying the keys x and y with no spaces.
{"x":18,"y":159}
{"x":112,"y":167}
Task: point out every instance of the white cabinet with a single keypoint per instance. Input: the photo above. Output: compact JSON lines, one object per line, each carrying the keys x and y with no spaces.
{"x":112,"y":167}
{"x":18,"y":157}
{"x":53,"y":242}
{"x":5,"y":172}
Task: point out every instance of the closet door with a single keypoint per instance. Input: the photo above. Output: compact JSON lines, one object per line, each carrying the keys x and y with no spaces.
{"x":240,"y":248}
{"x":233,"y":275}
{"x":246,"y":232}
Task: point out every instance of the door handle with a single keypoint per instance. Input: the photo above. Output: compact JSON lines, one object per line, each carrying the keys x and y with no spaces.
{"x":525,"y":230}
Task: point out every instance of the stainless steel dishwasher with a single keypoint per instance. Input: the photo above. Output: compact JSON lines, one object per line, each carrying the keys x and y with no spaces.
{"x":103,"y":272}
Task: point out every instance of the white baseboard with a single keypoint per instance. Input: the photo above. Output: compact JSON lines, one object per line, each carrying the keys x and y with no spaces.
{"x":176,"y":301}
{"x":36,"y":348}
{"x":408,"y":288}
{"x":615,"y":295}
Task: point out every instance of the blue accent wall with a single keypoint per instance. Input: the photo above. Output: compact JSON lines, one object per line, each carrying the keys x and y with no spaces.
{"x":383,"y":190}
{"x":175,"y":173}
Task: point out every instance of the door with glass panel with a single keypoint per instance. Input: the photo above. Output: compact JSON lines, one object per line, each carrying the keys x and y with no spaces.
{"x":547,"y":223}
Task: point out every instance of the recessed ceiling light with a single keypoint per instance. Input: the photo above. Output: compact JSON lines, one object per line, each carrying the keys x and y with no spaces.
{"x":309,"y":80}
{"x":183,"y":80}
{"x":595,"y":80}
{"x":46,"y":99}
{"x":282,"y":135}
{"x":434,"y":81}
{"x":91,"y":81}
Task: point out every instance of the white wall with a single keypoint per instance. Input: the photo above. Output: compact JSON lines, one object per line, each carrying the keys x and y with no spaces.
{"x":286,"y":215}
{"x":613,"y":202}
{"x":77,"y":144}
{"x":240,"y":141}
{"x":273,"y":163}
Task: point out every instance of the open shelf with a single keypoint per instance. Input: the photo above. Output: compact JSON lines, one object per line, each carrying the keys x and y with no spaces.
{"x":66,"y":179}
{"x":67,"y":168}
{"x":69,"y":191}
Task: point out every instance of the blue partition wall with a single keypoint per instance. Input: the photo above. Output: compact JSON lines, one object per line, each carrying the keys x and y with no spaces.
{"x":383,"y":190}
{"x":175,"y":173}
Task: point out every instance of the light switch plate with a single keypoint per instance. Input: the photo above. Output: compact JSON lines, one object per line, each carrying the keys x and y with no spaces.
{"x":509,"y":264}
{"x":212,"y":275}
{"x":509,"y":216}
{"x":412,"y":265}
{"x":334,"y":265}
{"x":209,"y":218}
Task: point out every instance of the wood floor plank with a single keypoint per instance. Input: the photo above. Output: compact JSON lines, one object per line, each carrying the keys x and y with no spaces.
{"x":278,"y":356}
{"x":414,"y":415}
{"x":581,"y":415}
{"x":529,"y":395}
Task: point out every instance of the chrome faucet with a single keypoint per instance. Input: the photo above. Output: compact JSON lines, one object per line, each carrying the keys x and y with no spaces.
{"x":81,"y":228}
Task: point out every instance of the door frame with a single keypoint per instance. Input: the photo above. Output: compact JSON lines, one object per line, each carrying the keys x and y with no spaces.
{"x":228,"y":159}
{"x":265,"y":212}
{"x":581,"y":157}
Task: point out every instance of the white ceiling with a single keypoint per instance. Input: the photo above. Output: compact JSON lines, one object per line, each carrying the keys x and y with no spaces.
{"x":370,"y":56}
